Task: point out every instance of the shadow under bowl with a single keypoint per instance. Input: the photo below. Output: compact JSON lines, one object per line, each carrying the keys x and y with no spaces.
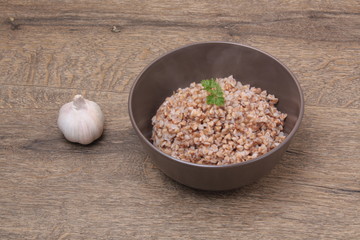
{"x":193,"y":63}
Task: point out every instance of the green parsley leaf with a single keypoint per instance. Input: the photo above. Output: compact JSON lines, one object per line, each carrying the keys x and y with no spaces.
{"x":216,"y":95}
{"x":220,"y":101}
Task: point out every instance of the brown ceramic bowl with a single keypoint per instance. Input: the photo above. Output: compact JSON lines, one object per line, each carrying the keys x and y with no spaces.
{"x":192,"y":63}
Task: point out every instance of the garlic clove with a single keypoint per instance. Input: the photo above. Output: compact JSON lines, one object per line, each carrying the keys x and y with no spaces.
{"x":81,"y":120}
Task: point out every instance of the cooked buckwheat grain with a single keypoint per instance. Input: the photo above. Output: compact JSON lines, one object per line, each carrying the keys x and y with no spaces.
{"x":247,"y":126}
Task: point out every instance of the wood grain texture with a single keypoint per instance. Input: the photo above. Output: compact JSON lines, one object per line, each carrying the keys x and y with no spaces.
{"x":52,"y":189}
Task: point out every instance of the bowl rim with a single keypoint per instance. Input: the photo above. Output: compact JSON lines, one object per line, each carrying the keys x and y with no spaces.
{"x":287,"y":139}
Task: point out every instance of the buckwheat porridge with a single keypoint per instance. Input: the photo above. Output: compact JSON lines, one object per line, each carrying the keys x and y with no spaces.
{"x":245,"y":125}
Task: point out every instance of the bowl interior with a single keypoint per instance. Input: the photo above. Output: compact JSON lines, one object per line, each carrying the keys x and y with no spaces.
{"x":193,"y":63}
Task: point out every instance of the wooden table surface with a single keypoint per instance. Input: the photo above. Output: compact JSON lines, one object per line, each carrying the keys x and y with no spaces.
{"x":52,"y":189}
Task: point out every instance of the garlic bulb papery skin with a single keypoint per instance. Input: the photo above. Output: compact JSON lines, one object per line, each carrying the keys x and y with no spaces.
{"x":81,"y":120}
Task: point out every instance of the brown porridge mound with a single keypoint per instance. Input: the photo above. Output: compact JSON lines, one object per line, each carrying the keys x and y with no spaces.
{"x":247,"y":126}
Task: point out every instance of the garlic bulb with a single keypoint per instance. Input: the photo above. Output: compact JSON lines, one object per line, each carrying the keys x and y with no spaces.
{"x":81,"y":120}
